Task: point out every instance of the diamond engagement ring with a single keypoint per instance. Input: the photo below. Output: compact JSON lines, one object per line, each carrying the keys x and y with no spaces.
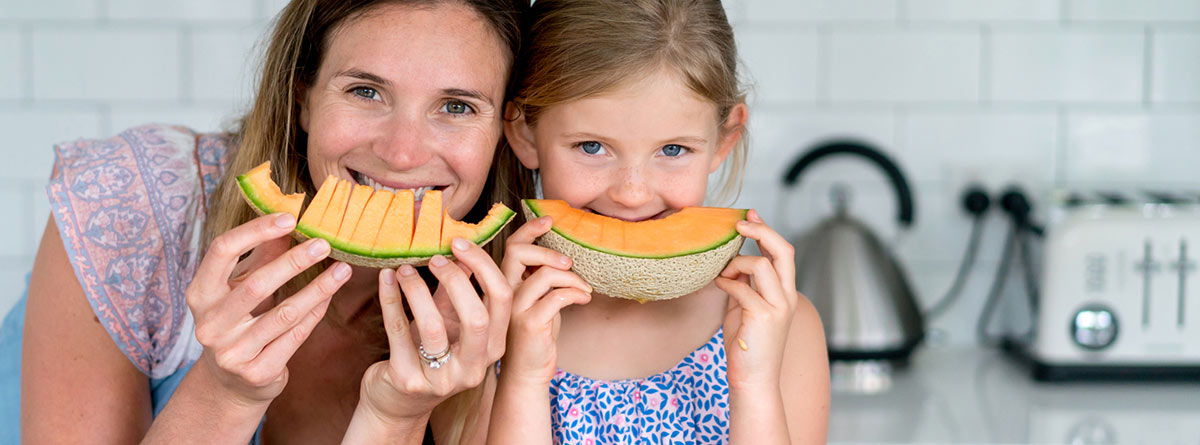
{"x":434,"y":361}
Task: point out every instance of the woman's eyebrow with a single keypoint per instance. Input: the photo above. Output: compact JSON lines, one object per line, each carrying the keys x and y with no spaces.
{"x":474,"y":94}
{"x":360,"y":74}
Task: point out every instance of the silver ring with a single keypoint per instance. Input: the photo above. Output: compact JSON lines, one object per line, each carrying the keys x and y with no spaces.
{"x":434,"y":361}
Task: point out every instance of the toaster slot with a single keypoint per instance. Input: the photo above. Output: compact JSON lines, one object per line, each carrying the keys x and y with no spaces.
{"x":1147,"y":267}
{"x":1185,"y":266}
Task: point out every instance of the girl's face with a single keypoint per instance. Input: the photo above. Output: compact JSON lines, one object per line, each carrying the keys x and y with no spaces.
{"x":641,"y":152}
{"x":408,"y":98}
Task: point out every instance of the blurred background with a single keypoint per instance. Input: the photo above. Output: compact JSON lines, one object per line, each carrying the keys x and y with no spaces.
{"x":1055,"y":97}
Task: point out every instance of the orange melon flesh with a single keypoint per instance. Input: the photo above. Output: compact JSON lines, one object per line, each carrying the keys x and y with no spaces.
{"x":311,"y":219}
{"x":354,"y":210}
{"x":496,"y":217}
{"x":689,"y":231}
{"x":427,"y":237}
{"x":371,"y":219}
{"x":331,"y":220}
{"x":395,"y":234}
{"x":262,"y":192}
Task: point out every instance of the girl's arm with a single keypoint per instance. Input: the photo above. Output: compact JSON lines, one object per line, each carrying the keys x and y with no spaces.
{"x":76,"y":385}
{"x":804,"y":379}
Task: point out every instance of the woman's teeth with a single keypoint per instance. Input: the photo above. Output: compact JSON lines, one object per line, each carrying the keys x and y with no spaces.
{"x":418,"y":192}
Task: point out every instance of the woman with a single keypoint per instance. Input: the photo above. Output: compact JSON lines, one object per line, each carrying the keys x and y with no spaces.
{"x":142,"y":323}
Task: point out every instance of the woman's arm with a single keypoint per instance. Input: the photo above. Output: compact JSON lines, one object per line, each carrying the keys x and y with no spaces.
{"x":804,"y":379}
{"x":76,"y":385}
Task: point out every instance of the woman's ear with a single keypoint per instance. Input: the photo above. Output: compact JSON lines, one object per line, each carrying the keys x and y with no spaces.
{"x":731,"y":134}
{"x":302,"y":99}
{"x":520,"y":136}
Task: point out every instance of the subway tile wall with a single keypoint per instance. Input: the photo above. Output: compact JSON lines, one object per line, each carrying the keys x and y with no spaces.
{"x":1041,"y":93}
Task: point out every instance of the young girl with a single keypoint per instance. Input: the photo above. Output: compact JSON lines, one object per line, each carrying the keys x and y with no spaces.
{"x":624,"y":108}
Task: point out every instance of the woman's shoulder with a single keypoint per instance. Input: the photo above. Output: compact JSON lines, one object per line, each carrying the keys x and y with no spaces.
{"x":130,"y":211}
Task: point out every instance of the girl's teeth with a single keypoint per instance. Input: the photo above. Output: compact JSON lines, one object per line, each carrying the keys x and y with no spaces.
{"x":418,"y":192}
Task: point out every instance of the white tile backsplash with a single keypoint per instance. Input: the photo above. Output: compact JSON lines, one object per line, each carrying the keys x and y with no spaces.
{"x":1133,"y":148}
{"x":100,"y":63}
{"x":1036,"y":92}
{"x":12,"y":70}
{"x":1067,"y":65}
{"x":776,"y":77}
{"x":983,"y":10}
{"x":1176,"y":74}
{"x":1140,"y":10}
{"x":184,"y":10}
{"x":32,"y":133}
{"x":786,"y":11}
{"x":14,"y":222}
{"x":904,"y":65}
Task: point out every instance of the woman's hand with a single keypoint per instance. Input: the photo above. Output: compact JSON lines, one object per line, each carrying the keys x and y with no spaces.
{"x":247,"y":354}
{"x":399,"y":393}
{"x":763,"y":300}
{"x":541,"y":292}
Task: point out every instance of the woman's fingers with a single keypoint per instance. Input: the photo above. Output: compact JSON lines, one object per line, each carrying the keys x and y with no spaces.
{"x":222,"y":255}
{"x":496,"y":288}
{"x":763,"y":273}
{"x":403,"y":353}
{"x":264,"y":253}
{"x":430,"y":327}
{"x":473,"y":320}
{"x":541,"y":282}
{"x":262,"y":283}
{"x":289,"y":312}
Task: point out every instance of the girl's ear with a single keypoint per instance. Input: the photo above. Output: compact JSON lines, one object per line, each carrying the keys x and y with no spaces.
{"x":520,"y":136}
{"x":731,"y":134}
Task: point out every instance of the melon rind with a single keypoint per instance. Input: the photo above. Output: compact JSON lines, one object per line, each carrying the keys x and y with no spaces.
{"x":642,"y":279}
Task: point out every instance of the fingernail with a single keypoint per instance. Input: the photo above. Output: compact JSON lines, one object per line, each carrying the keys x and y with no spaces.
{"x":285,"y":220}
{"x":564,"y":260}
{"x":406,"y":270}
{"x":341,"y":271}
{"x":439,"y":261}
{"x":318,"y":247}
{"x":544,"y":220}
{"x":459,"y":244}
{"x":388,"y":277}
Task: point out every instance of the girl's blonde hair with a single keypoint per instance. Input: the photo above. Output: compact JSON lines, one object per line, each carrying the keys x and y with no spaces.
{"x":582,"y":48}
{"x":270,"y":131}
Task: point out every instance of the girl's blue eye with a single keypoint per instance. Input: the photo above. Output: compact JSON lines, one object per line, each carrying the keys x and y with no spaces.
{"x":672,"y":150}
{"x":366,"y":93}
{"x":456,"y":107}
{"x":591,"y":147}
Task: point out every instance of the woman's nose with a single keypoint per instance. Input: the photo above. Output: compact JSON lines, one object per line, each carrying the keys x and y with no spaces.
{"x":632,"y":190}
{"x":405,"y":143}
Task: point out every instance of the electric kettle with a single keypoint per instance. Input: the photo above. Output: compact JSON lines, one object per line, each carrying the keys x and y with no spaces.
{"x":864,"y":299}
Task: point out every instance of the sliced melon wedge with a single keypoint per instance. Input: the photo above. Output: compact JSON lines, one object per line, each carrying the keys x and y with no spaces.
{"x":369,"y":227}
{"x":645,"y":260}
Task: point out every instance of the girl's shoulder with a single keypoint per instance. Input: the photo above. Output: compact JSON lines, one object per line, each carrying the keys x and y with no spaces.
{"x":130,"y":211}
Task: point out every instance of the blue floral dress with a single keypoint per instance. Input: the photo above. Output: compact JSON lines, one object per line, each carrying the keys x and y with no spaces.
{"x":687,"y":404}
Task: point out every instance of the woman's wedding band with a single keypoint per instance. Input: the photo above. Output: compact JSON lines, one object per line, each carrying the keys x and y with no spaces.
{"x":434,"y":361}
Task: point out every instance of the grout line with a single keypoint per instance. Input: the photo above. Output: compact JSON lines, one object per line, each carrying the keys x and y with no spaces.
{"x":1061,"y":158}
{"x":902,"y":12}
{"x":824,"y":74}
{"x":102,"y":11}
{"x":27,"y":82}
{"x":1148,"y":67}
{"x":105,"y":119}
{"x":1064,"y":12}
{"x":186,"y":77}
{"x":985,"y":65}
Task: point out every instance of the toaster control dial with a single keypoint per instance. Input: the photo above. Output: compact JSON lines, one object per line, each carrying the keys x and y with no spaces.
{"x":1094,"y":327}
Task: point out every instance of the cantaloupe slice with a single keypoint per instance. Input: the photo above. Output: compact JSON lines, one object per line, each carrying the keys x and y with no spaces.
{"x":369,"y":227}
{"x":646,"y":260}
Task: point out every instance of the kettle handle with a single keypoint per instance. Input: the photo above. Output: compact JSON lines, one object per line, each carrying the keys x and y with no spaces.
{"x":844,"y":146}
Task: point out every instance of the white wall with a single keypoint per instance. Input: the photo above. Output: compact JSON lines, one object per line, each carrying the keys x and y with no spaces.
{"x":1039,"y":92}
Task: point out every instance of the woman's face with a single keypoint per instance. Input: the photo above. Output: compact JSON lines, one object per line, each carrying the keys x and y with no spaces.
{"x":408,"y":98}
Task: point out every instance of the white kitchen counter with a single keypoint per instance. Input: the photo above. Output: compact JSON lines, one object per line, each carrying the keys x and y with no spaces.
{"x":980,"y":396}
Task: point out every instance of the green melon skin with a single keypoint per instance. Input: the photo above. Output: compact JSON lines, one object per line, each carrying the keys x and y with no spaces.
{"x":642,"y":279}
{"x":250,"y":194}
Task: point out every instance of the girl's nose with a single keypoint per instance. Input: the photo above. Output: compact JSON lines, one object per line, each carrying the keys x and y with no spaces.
{"x":632,"y":190}
{"x":405,"y":143}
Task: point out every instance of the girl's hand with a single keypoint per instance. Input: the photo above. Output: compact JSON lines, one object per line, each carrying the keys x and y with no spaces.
{"x":763,"y":300}
{"x":247,"y":353}
{"x":541,"y":292}
{"x":405,"y":387}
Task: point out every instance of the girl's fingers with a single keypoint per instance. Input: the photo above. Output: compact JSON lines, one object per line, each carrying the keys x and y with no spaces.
{"x":520,"y":257}
{"x":541,"y":282}
{"x":547,"y":307}
{"x":430,"y":328}
{"x":263,"y":283}
{"x":222,"y":255}
{"x":473,"y":320}
{"x":290,"y":312}
{"x":403,"y":353}
{"x":773,"y":246}
{"x":512,"y":265}
{"x":763,"y":273}
{"x":496,"y":288}
{"x":742,"y":293}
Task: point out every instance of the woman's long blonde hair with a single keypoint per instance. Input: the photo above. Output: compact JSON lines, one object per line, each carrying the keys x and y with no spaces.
{"x":270,"y":131}
{"x":581,"y":48}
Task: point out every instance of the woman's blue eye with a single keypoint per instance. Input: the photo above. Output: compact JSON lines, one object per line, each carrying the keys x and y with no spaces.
{"x":591,"y":147}
{"x":366,"y":93}
{"x":457,"y":107}
{"x":672,"y":150}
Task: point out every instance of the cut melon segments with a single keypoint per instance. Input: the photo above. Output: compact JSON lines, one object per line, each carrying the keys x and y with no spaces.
{"x":630,"y":259}
{"x":690,"y":230}
{"x":369,"y":227}
{"x":264,"y":195}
